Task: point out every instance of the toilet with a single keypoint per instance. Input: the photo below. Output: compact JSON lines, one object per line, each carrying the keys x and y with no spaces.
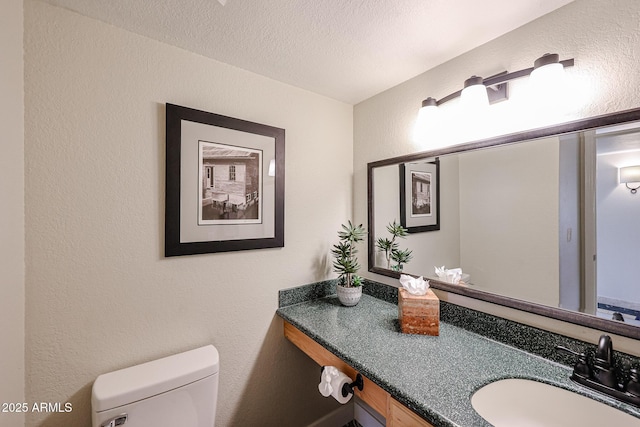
{"x":179,"y":390}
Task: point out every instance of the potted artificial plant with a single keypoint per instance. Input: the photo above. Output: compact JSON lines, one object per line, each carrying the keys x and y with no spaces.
{"x":391,"y":248}
{"x":346,"y":264}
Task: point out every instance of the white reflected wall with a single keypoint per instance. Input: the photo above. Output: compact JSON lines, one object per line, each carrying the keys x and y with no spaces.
{"x":618,"y":228}
{"x":509,"y":220}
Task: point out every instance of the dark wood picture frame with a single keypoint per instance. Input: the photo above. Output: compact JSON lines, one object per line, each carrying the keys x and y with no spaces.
{"x":420,"y":209}
{"x":188,"y":131}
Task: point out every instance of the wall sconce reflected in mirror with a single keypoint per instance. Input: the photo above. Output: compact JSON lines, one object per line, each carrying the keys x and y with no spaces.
{"x":272,"y":167}
{"x":630,"y":175}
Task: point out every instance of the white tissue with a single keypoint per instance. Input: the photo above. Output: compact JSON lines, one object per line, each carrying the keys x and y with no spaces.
{"x":451,"y":276}
{"x":414,"y":285}
{"x":331,"y":383}
{"x":327,"y":375}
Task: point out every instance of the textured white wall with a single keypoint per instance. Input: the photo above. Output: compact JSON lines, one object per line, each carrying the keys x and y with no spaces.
{"x":100,"y":294}
{"x":603,"y":38}
{"x":11,"y":210}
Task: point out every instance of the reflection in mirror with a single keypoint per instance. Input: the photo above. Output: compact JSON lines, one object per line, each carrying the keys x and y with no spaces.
{"x":420,"y":196}
{"x":544,"y":222}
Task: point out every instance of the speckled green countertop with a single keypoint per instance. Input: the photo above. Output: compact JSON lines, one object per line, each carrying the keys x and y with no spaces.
{"x":433,"y":376}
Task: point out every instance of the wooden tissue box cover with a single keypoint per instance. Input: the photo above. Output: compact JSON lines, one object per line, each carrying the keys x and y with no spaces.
{"x":419,"y":314}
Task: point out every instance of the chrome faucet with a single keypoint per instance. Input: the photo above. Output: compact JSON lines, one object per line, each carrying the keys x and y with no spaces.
{"x":602,"y":376}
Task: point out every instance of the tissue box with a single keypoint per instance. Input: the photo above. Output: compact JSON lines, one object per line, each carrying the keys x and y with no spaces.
{"x":419,"y":314}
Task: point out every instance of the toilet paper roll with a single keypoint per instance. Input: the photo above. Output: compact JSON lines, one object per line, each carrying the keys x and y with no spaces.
{"x":336,"y":384}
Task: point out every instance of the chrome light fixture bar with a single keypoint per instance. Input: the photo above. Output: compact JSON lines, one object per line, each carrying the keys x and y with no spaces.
{"x":496,"y":85}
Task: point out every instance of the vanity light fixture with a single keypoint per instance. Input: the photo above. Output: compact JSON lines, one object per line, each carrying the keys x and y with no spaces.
{"x":494,"y":88}
{"x":474,"y":94}
{"x":630,"y":175}
{"x":547,"y":70}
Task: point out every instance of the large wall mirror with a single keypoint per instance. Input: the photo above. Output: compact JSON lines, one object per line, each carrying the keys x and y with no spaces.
{"x":540,"y":220}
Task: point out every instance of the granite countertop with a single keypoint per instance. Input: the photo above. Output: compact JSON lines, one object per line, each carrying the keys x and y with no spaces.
{"x":433,"y":376}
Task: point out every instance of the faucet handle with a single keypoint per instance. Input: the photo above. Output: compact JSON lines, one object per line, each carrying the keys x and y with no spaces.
{"x":581,"y":367}
{"x":633,"y":386}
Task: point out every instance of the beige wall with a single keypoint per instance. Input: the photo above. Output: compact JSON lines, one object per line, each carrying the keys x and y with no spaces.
{"x":603,"y":38}
{"x":521,"y":211}
{"x":100,"y":295}
{"x":11,"y":210}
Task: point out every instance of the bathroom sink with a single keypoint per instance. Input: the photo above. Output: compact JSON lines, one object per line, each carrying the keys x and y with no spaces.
{"x":526,"y":403}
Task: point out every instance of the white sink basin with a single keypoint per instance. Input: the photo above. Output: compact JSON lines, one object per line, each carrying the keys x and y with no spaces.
{"x":526,"y":403}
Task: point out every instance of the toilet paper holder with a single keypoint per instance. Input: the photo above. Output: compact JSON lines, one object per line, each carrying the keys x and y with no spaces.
{"x":347,"y":388}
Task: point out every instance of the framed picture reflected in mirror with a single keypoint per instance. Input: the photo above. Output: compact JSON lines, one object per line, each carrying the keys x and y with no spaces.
{"x":420,"y":196}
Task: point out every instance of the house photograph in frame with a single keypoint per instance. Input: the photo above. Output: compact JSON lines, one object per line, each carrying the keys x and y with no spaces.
{"x":420,"y":196}
{"x":230,"y":184}
{"x":224,"y":183}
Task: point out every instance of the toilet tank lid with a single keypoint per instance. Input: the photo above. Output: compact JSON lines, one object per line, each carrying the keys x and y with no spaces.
{"x":149,"y":379}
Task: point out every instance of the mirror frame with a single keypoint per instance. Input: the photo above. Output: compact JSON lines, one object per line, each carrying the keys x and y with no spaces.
{"x":574,"y":317}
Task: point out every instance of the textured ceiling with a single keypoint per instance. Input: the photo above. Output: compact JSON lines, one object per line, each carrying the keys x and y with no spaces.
{"x":348,"y":50}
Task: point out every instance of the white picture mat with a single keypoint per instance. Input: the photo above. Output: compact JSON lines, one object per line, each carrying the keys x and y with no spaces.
{"x":428,"y":177}
{"x":420,"y":220}
{"x":190,"y":231}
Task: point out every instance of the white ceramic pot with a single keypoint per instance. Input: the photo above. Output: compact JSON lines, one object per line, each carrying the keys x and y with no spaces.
{"x":349,"y":296}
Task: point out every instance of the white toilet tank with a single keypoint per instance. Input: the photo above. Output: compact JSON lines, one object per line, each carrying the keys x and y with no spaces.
{"x":179,"y":390}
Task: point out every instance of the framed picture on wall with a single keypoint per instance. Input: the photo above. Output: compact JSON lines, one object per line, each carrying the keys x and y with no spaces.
{"x":420,"y":196}
{"x":224,"y":183}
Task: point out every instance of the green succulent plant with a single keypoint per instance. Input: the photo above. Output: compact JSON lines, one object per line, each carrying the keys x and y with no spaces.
{"x":391,"y":247}
{"x":401,"y":257}
{"x":344,"y":252}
